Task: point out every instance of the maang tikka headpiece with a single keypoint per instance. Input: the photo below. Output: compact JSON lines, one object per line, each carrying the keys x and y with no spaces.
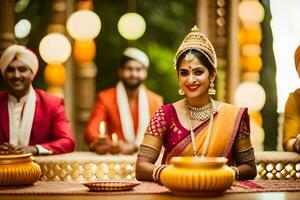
{"x":197,"y":41}
{"x":189,"y":56}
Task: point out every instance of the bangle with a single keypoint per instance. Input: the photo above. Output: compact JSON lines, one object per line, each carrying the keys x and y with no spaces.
{"x":296,"y":145}
{"x":156,"y":172}
{"x":236,"y":171}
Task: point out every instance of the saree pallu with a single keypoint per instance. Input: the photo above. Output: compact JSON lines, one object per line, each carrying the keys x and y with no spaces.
{"x":226,"y":123}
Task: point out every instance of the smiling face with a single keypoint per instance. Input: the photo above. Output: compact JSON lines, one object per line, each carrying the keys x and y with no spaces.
{"x":194,"y":77}
{"x":18,"y":77}
{"x":132,"y":74}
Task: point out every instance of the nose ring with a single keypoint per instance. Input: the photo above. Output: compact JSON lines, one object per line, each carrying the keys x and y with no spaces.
{"x":192,"y":79}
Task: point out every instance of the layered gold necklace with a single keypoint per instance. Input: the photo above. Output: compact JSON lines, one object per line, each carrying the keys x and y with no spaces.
{"x":201,"y":113}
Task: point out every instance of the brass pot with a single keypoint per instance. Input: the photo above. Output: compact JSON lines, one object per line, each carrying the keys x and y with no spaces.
{"x":197,"y":176}
{"x":18,"y":169}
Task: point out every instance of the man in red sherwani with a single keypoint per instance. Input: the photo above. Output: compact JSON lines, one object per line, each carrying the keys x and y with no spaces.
{"x":125,"y":109}
{"x":31,"y":121}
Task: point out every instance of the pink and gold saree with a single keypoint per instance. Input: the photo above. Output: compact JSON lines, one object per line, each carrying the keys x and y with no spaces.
{"x":176,"y":138}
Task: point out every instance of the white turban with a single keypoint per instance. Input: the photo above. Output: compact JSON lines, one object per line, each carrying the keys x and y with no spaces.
{"x":21,"y":53}
{"x":137,"y":54}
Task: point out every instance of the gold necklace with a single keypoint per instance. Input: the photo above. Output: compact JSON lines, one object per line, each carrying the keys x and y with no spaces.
{"x":191,"y":130}
{"x":201,"y":113}
{"x":208,"y":136}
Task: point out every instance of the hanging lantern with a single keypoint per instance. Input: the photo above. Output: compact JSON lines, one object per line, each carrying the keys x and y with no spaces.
{"x":250,"y":76}
{"x":56,"y":91}
{"x":84,"y":25}
{"x":84,"y":51}
{"x":250,"y":94}
{"x":55,"y":48}
{"x":251,"y":50}
{"x":251,"y":12}
{"x":55,"y":75}
{"x":251,"y":63}
{"x":257,"y":117}
{"x":251,"y":35}
{"x":131,"y":26}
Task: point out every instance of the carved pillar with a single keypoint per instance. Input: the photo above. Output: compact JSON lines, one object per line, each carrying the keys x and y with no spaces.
{"x":59,"y":11}
{"x":202,"y":15}
{"x":218,"y":33}
{"x":58,"y":17}
{"x":86,"y":90}
{"x":215,"y":19}
{"x":86,"y":72}
{"x":233,"y":50}
{"x":7,"y":23}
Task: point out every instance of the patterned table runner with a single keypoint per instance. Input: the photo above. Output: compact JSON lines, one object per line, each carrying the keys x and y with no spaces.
{"x":44,"y":187}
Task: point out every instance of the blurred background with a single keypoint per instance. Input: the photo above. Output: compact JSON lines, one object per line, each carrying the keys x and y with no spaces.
{"x":79,"y":51}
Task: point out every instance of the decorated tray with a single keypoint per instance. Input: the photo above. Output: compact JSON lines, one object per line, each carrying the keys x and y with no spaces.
{"x":103,"y":186}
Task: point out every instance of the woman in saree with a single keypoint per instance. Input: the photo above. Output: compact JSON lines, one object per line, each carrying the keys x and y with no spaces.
{"x":219,"y":129}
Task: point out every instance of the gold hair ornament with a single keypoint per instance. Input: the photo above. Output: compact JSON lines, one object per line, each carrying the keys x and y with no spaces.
{"x":196,"y":40}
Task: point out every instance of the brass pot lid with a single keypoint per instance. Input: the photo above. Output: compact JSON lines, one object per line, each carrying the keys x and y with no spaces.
{"x":15,"y":158}
{"x":196,"y":162}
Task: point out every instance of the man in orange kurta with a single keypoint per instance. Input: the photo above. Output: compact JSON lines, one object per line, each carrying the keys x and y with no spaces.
{"x":126,"y":108}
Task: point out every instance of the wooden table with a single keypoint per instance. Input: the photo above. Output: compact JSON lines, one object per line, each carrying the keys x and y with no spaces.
{"x":145,"y":191}
{"x":245,"y":196}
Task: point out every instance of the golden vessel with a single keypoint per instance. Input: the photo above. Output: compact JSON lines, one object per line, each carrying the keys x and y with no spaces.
{"x":18,"y":169}
{"x":197,"y":176}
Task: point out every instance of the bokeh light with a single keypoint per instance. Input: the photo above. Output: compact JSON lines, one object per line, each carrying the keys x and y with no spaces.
{"x":251,"y":11}
{"x":84,"y":25}
{"x":55,"y":48}
{"x":250,"y":94}
{"x":131,"y":26}
{"x":22,"y":28}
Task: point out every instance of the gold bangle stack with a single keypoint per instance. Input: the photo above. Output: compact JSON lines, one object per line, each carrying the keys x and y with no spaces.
{"x":236,"y":171}
{"x":156,"y":172}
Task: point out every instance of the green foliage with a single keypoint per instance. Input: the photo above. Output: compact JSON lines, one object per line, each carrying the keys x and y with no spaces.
{"x":162,"y":75}
{"x":167,"y":23}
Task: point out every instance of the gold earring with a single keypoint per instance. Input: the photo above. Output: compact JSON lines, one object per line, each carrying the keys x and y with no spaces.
{"x":181,"y":91}
{"x":211,"y":90}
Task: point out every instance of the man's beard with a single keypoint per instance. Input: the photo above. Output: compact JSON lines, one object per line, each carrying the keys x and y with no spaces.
{"x":131,"y":86}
